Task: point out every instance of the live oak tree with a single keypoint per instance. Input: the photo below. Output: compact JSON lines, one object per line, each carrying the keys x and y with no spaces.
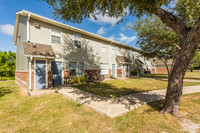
{"x":155,"y":39}
{"x":182,"y":16}
{"x":159,"y":41}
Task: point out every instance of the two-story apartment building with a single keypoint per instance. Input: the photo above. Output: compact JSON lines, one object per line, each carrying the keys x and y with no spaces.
{"x":47,"y":52}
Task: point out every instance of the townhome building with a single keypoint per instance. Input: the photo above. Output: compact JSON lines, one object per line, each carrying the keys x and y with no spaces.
{"x":48,"y":52}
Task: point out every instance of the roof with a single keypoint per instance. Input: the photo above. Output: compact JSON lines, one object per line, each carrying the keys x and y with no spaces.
{"x":123,"y":59}
{"x":139,"y":61}
{"x":62,"y":25}
{"x":38,"y":50}
{"x":159,"y":62}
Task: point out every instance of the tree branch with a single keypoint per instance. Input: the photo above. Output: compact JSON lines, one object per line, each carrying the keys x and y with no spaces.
{"x":154,"y":37}
{"x":172,"y":21}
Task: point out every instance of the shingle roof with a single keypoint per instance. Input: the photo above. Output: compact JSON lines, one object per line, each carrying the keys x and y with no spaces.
{"x":159,"y":62}
{"x":123,"y":59}
{"x":139,"y":61}
{"x":38,"y":49}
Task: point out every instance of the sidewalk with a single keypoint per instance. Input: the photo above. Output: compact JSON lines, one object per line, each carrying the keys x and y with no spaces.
{"x":118,"y":106}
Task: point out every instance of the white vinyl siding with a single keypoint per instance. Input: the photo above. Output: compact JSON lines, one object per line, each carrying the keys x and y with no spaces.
{"x":131,"y":53}
{"x":113,"y":49}
{"x":104,"y":68}
{"x":103,"y":47}
{"x":77,"y":40}
{"x":55,"y":35}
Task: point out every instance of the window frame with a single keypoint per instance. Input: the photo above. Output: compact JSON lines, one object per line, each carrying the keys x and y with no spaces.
{"x":76,"y":68}
{"x":58,"y":35}
{"x":104,"y":68}
{"x":103,"y":47}
{"x":79,"y":40}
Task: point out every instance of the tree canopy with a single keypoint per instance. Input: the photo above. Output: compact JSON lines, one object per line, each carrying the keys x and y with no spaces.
{"x":7,"y":63}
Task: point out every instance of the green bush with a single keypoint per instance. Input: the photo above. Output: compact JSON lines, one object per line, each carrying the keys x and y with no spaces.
{"x":82,"y":79}
{"x":74,"y":80}
{"x":111,"y":76}
{"x":78,"y":80}
{"x":135,"y":72}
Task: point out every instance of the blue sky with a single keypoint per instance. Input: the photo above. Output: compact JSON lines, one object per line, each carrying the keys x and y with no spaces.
{"x":104,"y":26}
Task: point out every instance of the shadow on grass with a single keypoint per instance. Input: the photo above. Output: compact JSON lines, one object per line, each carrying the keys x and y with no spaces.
{"x":107,"y":90}
{"x":4,"y":91}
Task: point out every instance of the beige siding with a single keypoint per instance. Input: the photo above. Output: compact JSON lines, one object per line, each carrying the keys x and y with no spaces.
{"x":42,"y":34}
{"x":90,"y":53}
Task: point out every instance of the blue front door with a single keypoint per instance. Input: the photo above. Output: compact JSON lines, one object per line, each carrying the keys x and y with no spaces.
{"x":40,"y":74}
{"x":113,"y":70}
{"x":56,"y":67}
{"x":123,"y":71}
{"x":127,"y":71}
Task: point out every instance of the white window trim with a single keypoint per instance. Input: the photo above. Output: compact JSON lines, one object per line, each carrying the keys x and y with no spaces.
{"x":77,"y":68}
{"x":103,"y":47}
{"x":105,"y":70}
{"x":58,"y":36}
{"x":78,"y":39}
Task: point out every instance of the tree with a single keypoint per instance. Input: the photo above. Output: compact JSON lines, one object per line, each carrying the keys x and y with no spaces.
{"x":182,"y":16}
{"x":156,"y":39}
{"x":195,"y":61}
{"x":7,"y":63}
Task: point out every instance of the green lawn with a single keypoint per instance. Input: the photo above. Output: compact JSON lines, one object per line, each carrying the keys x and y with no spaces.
{"x":121,"y":87}
{"x":56,"y":113}
{"x":189,"y":75}
{"x":7,"y":78}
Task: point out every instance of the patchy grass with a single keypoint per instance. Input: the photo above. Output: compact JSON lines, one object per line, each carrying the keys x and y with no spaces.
{"x":121,"y":87}
{"x":189,"y":75}
{"x":7,"y":78}
{"x":55,"y":113}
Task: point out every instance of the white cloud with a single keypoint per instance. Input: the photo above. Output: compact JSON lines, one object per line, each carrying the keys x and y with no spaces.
{"x":126,"y":39}
{"x":7,"y":29}
{"x":101,"y":31}
{"x":104,"y":19}
{"x":123,"y":38}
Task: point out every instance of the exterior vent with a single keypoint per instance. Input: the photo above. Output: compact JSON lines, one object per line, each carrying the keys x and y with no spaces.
{"x":37,"y":25}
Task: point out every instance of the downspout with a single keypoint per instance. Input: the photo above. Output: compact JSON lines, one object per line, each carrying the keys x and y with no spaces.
{"x":28,"y":29}
{"x":30,"y":73}
{"x":111,"y":55}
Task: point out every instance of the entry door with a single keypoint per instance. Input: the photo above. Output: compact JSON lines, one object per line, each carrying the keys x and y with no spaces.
{"x":127,"y":71}
{"x":123,"y":71}
{"x":40,"y":74}
{"x":113,"y":70}
{"x":56,"y":67}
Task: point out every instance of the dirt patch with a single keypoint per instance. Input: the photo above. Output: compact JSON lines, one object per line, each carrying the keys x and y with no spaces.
{"x":189,"y":126}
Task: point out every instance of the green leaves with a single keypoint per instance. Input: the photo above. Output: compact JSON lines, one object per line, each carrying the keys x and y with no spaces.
{"x":7,"y":63}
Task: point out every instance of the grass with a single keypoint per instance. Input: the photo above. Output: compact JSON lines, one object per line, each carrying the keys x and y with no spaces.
{"x":7,"y":78}
{"x":56,"y":113}
{"x":121,"y":87}
{"x":189,"y":75}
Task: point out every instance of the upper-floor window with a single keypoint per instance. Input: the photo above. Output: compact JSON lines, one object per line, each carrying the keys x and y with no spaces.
{"x":55,"y":35}
{"x":103,"y":47}
{"x":131,"y":52}
{"x":77,"y":40}
{"x":113,"y":49}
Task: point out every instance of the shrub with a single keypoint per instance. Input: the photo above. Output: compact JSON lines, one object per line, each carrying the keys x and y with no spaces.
{"x":136,"y":72}
{"x":111,"y":76}
{"x":74,"y":80}
{"x":82,"y":79}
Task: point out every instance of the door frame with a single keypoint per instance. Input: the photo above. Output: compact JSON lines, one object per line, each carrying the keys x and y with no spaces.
{"x":46,"y":77}
{"x":123,"y":71}
{"x":115,"y":71}
{"x":62,"y":74}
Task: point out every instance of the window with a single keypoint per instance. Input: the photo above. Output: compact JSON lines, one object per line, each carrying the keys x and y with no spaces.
{"x":77,"y":40}
{"x":103,"y":47}
{"x":131,"y":53}
{"x":113,"y":49}
{"x":55,"y":35}
{"x":76,"y":69}
{"x":104,"y":68}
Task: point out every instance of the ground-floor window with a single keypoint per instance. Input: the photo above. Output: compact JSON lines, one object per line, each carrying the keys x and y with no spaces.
{"x":104,"y":68}
{"x":76,"y":69}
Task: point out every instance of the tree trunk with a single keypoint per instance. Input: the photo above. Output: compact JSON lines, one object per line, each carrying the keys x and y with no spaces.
{"x":175,"y":79}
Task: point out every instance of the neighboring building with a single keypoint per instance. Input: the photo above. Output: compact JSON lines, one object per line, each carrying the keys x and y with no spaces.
{"x":48,"y":52}
{"x":159,"y":67}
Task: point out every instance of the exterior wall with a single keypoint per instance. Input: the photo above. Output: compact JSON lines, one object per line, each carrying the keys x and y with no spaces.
{"x":21,"y":60}
{"x":160,"y":69}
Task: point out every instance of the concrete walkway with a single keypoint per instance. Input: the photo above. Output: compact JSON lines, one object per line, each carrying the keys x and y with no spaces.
{"x":118,"y":106}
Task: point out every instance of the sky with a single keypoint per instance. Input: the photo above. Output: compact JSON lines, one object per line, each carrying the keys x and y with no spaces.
{"x":104,"y":26}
